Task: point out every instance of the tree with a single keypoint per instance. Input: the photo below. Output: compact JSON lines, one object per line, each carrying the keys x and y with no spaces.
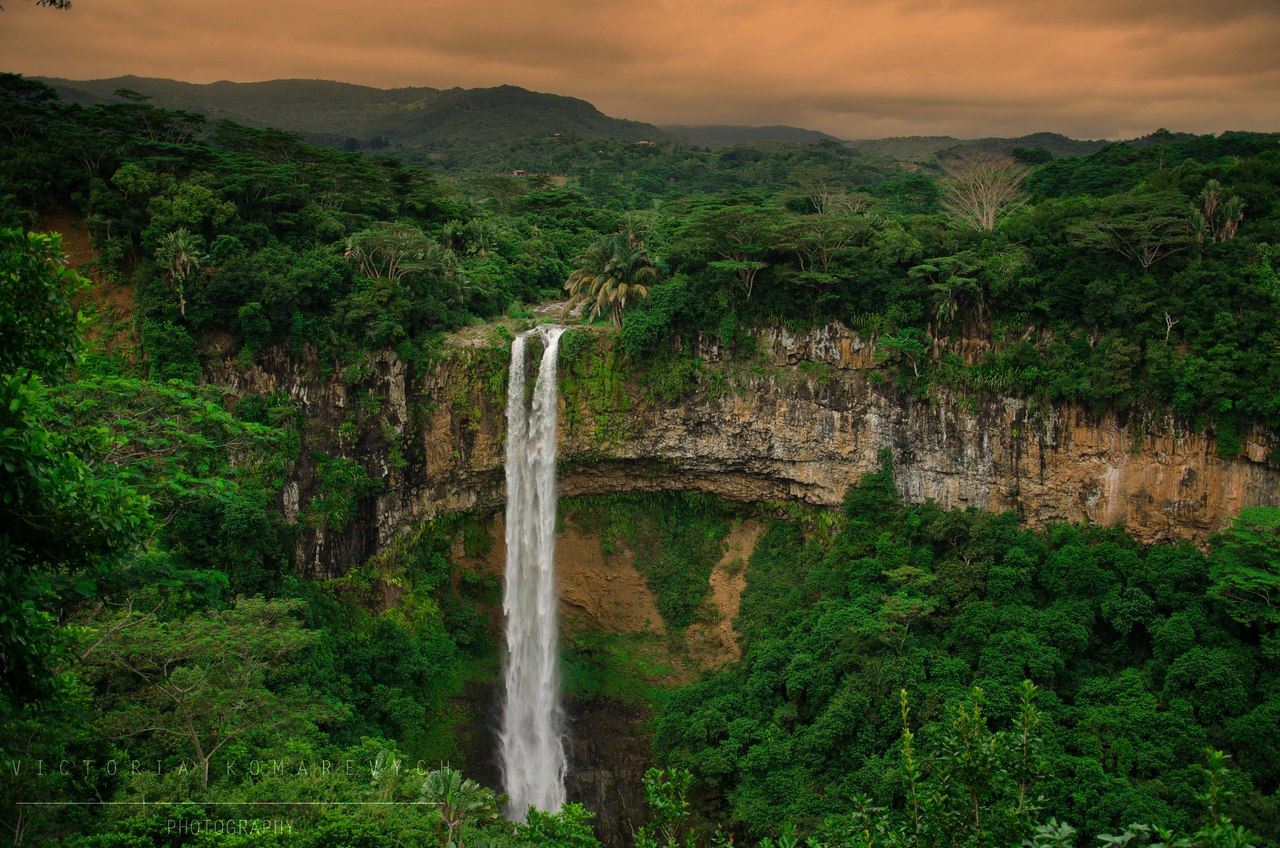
{"x":822,"y":188}
{"x":979,"y":186}
{"x":741,"y":235}
{"x":961,"y":284}
{"x":1144,"y":227}
{"x":473,"y":237}
{"x":460,"y":801}
{"x":1217,"y":217}
{"x":568,"y":828}
{"x":821,"y":239}
{"x":1246,"y":572}
{"x":910,"y":602}
{"x":41,"y":332}
{"x":612,"y":272}
{"x":198,"y":683}
{"x":667,"y":793}
{"x":179,"y":254}
{"x":389,"y":251}
{"x":905,"y":346}
{"x":65,"y":526}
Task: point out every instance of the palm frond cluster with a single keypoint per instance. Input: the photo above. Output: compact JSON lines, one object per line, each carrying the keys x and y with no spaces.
{"x":611,"y":273}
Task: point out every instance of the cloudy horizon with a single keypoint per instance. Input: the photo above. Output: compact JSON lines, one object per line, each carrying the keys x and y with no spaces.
{"x":856,"y":70}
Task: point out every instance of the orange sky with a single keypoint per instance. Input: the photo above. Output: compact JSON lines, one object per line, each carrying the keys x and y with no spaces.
{"x":1088,"y":68}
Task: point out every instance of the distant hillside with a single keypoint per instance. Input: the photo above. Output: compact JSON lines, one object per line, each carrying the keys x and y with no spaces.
{"x":918,"y":147}
{"x":357,"y":116}
{"x":430,"y":123}
{"x":727,"y":135}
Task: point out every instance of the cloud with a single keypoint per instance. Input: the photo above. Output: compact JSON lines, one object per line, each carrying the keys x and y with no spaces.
{"x":1106,"y":13}
{"x":966,"y":67}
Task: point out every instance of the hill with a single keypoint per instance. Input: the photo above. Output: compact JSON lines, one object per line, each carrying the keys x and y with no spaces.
{"x":429,"y":123}
{"x":357,"y":116}
{"x":727,"y":135}
{"x":920,"y":147}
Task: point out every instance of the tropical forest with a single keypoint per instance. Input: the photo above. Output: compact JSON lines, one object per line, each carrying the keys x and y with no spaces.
{"x":466,"y":468}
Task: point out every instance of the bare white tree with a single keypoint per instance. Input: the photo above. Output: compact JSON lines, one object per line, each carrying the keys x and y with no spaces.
{"x":979,"y":186}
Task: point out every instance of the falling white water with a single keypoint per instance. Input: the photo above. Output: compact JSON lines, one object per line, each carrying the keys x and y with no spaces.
{"x":532,"y":748}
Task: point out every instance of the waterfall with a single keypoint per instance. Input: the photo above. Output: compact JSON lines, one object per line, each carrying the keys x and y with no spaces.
{"x":531,"y":746}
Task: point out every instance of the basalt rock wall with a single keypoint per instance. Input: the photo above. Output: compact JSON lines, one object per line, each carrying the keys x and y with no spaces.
{"x":802,"y":419}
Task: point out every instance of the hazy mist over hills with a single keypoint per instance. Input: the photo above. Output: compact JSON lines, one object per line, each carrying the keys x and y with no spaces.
{"x":424,"y":121}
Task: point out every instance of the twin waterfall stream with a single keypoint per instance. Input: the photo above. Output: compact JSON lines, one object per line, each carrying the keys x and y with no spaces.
{"x":531,"y":744}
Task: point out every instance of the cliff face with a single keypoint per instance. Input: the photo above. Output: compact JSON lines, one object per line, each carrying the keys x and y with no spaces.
{"x":802,"y":421}
{"x":603,"y":592}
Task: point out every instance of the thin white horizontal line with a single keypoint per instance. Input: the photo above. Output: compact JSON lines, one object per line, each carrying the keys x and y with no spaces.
{"x":219,"y":803}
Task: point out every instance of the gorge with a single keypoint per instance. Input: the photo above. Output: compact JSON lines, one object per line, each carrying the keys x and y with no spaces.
{"x":796,"y":425}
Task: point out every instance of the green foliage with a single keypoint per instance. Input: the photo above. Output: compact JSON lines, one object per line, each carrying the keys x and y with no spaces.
{"x":1141,"y":227}
{"x":460,"y":802}
{"x":1246,"y":574}
{"x":622,"y":668}
{"x":41,"y":333}
{"x":144,"y":562}
{"x":670,"y":379}
{"x":614,"y":272}
{"x":228,"y":228}
{"x":1141,"y":657}
{"x":906,"y":349}
{"x":666,"y":792}
{"x":646,"y":329}
{"x":568,"y":828}
{"x":593,"y":379}
{"x":1139,"y":277}
{"x":171,"y":350}
{"x":343,"y":484}
{"x":69,"y":527}
{"x":210,"y":476}
{"x":198,"y":684}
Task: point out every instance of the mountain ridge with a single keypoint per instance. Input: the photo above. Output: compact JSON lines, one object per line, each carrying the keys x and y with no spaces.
{"x":418,"y":121}
{"x":356,"y":116}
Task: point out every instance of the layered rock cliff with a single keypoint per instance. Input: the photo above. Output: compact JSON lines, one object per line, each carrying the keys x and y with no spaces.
{"x":801,"y":420}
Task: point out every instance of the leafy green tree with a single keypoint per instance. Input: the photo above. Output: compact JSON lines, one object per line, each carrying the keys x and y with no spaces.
{"x":735,"y":239}
{"x":389,"y":251}
{"x":41,"y":327}
{"x":1143,"y":227}
{"x":171,"y":352}
{"x":1217,"y":218}
{"x":1246,"y":573}
{"x":906,"y":347}
{"x":823,"y":242}
{"x":67,"y":527}
{"x":666,"y":792}
{"x":197,"y":684}
{"x":568,"y":828}
{"x":184,"y":204}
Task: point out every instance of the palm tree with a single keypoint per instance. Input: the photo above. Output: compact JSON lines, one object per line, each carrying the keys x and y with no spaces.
{"x":612,"y":273}
{"x":459,"y":801}
{"x":179,"y":254}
